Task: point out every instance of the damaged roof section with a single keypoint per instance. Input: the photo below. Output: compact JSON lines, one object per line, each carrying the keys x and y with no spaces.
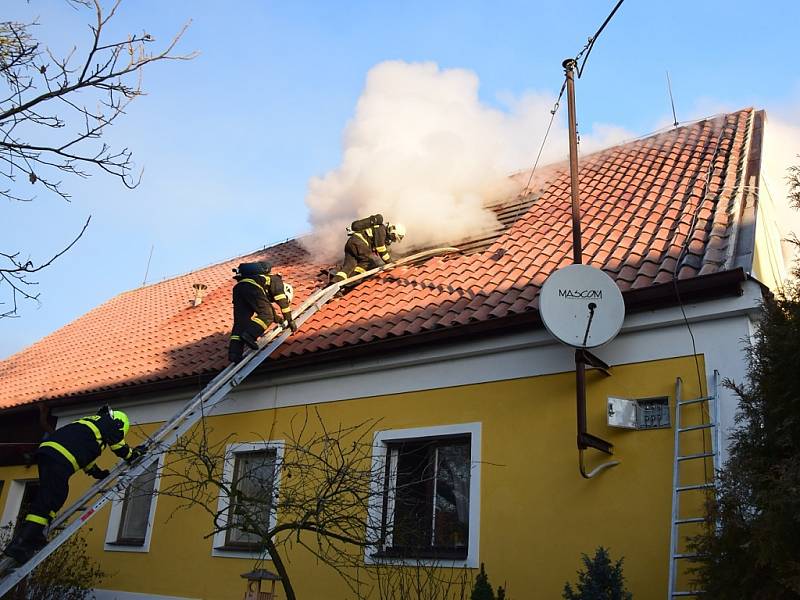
{"x":664,"y":206}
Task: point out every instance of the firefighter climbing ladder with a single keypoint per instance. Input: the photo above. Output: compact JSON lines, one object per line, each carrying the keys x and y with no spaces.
{"x":709,"y":405}
{"x":214,"y":392}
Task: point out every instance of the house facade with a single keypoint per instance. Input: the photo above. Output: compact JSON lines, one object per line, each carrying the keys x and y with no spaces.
{"x":450,"y":365}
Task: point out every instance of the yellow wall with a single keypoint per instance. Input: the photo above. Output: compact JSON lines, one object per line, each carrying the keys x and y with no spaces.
{"x":537,"y":513}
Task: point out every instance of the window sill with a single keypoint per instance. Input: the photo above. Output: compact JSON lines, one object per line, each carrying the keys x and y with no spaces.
{"x":118,"y":546}
{"x":432,"y":555}
{"x":127,"y":544}
{"x":238,"y":552}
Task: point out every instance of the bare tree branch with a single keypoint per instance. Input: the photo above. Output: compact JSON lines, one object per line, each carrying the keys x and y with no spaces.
{"x":54,"y":111}
{"x":329,"y":481}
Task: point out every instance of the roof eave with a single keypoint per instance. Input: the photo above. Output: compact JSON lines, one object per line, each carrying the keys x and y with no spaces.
{"x":696,"y":289}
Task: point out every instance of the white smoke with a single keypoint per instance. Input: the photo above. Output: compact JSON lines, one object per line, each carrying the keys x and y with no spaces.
{"x":423,"y":150}
{"x":782,"y":150}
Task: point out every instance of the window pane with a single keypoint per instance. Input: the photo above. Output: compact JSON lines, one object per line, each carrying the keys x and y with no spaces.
{"x":413,"y":506}
{"x":430,"y":504}
{"x":136,"y":507}
{"x":451,"y":520}
{"x":254,"y":475}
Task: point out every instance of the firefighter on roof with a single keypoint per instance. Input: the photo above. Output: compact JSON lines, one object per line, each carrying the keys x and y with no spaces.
{"x":252,"y":309}
{"x":71,"y":448}
{"x":367,"y":236}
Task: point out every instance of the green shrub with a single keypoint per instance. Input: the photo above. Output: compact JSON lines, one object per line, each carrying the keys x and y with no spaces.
{"x":599,"y":579}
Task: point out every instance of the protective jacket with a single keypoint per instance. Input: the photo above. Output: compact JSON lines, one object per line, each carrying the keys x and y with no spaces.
{"x":68,"y":449}
{"x":360,"y":245}
{"x":252,"y":309}
{"x":81,"y":442}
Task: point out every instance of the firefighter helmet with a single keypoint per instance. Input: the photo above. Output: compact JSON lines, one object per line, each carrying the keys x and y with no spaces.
{"x":125,"y":423}
{"x":397,"y":231}
{"x":253,"y":269}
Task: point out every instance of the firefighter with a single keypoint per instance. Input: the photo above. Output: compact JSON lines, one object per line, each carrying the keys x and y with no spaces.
{"x":255,"y":290}
{"x":68,"y":449}
{"x":367,"y":236}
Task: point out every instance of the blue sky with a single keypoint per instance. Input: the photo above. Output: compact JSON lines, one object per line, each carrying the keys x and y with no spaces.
{"x":230,"y":140}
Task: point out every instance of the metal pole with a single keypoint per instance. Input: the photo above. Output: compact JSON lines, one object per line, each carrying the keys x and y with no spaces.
{"x":577,"y":250}
{"x":580,"y":384}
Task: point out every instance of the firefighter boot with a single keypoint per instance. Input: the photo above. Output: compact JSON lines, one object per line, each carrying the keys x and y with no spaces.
{"x":28,"y":540}
{"x":249,"y":340}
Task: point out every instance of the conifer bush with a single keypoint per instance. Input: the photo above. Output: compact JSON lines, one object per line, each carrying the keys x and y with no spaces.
{"x":751,"y":543}
{"x":600,"y":579}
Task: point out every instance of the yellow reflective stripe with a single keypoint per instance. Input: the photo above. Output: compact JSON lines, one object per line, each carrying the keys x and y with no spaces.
{"x":380,"y":249}
{"x":236,"y":337}
{"x":361,"y":237}
{"x":98,"y":436}
{"x":288,"y":309}
{"x":360,"y":270}
{"x":118,"y":446}
{"x":89,"y":466}
{"x":254,"y":282}
{"x":369,"y":232}
{"x":59,"y":448}
{"x":52,"y":514}
{"x":36,"y":519}
{"x":280,"y":297}
{"x":342,"y":273}
{"x":386,"y":257}
{"x":259,"y":321}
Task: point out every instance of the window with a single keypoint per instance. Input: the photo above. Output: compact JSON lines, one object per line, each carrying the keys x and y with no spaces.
{"x":251,"y":501}
{"x":130,"y":522}
{"x":18,"y":499}
{"x":428,"y":506}
{"x":136,"y":508}
{"x":251,"y":473}
{"x":28,"y":494}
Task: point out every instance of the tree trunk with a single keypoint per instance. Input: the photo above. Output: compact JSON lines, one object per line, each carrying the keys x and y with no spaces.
{"x":281,"y":569}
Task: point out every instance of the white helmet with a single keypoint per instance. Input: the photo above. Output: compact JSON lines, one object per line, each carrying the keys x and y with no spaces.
{"x":288,"y":290}
{"x":398,"y":231}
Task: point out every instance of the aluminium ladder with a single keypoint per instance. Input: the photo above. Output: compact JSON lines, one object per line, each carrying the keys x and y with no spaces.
{"x":709,"y":405}
{"x":212,"y":394}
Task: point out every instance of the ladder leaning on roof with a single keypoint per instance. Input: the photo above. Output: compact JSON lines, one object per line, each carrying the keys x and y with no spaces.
{"x":212,"y":394}
{"x":709,"y":422}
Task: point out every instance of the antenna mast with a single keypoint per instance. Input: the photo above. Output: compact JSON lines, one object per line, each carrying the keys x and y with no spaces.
{"x":577,"y":249}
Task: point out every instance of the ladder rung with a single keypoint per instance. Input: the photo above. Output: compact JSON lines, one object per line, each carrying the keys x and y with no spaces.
{"x":685,"y":556}
{"x":695,"y":400}
{"x":695,"y":456}
{"x":689,"y":520}
{"x":688,"y":593}
{"x":696,"y":427}
{"x":696,"y":486}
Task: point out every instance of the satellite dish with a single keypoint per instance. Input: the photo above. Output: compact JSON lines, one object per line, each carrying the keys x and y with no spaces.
{"x":581,"y":306}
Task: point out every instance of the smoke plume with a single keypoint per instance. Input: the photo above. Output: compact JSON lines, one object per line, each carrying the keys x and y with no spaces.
{"x":781,"y":150}
{"x":424,"y":150}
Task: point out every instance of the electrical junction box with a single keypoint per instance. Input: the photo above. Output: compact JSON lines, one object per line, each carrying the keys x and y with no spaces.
{"x":645,"y":413}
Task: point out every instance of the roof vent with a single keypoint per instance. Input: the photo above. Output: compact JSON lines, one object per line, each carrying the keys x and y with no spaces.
{"x":199,"y":292}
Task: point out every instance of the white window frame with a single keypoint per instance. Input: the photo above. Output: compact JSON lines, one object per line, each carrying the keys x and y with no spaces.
{"x":381,"y":442}
{"x":16,"y":490}
{"x":115,"y":516}
{"x":218,"y":541}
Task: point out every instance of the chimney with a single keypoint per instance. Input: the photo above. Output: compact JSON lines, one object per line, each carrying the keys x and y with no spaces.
{"x":199,"y":292}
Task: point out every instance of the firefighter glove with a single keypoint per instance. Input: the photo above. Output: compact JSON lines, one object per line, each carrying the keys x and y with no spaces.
{"x":292,"y":325}
{"x":137,"y":453}
{"x":97,"y":472}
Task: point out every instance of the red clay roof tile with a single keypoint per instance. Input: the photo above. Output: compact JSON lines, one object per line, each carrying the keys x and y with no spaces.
{"x":639,"y":201}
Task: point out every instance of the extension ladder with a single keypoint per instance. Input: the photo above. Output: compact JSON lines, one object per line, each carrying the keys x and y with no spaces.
{"x":709,"y":405}
{"x":212,"y":394}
